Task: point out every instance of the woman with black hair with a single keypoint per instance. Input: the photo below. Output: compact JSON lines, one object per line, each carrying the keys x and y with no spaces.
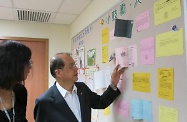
{"x":15,"y":65}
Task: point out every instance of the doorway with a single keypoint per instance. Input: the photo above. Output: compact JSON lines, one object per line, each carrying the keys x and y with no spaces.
{"x":37,"y":81}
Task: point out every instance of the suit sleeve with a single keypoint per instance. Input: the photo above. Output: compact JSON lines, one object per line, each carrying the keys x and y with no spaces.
{"x":39,"y":112}
{"x":104,"y":100}
{"x":96,"y":101}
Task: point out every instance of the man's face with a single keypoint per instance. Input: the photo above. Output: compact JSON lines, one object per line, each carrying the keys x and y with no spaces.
{"x":70,"y":70}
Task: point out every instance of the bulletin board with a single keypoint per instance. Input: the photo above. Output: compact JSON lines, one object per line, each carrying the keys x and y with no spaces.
{"x":153,"y":87}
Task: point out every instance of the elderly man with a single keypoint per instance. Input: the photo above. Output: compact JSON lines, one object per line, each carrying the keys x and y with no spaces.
{"x":70,"y":101}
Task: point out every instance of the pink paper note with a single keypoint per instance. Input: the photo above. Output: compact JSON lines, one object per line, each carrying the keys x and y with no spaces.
{"x":143,"y":21}
{"x":121,"y":56}
{"x":122,"y":108}
{"x":147,"y":51}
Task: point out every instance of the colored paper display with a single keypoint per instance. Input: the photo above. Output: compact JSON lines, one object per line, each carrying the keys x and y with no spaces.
{"x":141,"y":82}
{"x":121,"y":56}
{"x":105,"y":35}
{"x":147,"y":49}
{"x":122,"y":108}
{"x":132,"y":55}
{"x":91,"y":55}
{"x":166,"y":83}
{"x":141,"y":109}
{"x":170,"y":43}
{"x":143,"y":21}
{"x":105,"y":54}
{"x":166,"y":10}
{"x":167,"y":114}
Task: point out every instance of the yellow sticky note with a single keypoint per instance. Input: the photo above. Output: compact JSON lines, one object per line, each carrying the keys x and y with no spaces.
{"x":167,"y":114}
{"x":105,"y":35}
{"x":141,"y":82}
{"x":166,"y":83}
{"x":170,"y":43}
{"x":105,"y":54}
{"x":166,"y":10}
{"x":107,"y":111}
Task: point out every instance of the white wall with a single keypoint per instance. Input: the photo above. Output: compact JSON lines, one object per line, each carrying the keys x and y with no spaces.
{"x":58,"y":35}
{"x":90,"y":14}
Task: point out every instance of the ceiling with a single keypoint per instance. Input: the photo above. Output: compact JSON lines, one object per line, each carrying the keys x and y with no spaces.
{"x":44,"y":11}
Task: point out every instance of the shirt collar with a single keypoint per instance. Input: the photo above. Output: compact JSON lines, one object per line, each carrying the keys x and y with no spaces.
{"x":64,"y":91}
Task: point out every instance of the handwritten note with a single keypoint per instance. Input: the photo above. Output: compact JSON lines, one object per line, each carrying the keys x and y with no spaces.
{"x":105,"y":54}
{"x":132,"y":55}
{"x":105,"y":35}
{"x":143,"y":21}
{"x":102,"y":78}
{"x":141,"y":82}
{"x":121,"y":56}
{"x":99,"y":79}
{"x":166,"y":10}
{"x":141,"y":109}
{"x":122,"y":108}
{"x":166,"y":83}
{"x":107,"y":76}
{"x":137,"y":109}
{"x":147,"y":49}
{"x":90,"y":71}
{"x":167,"y":114}
{"x":147,"y":110}
{"x":170,"y":43}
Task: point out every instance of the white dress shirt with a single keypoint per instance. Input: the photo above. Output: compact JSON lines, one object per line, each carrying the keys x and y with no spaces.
{"x":72,"y":100}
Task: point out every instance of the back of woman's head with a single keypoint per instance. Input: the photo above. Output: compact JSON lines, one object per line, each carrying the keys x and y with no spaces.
{"x":14,"y":56}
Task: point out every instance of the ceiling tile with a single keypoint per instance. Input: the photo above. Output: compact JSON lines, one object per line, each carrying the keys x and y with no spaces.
{"x":6,"y":13}
{"x":73,"y":6}
{"x":64,"y":19}
{"x":42,"y":5}
{"x":47,"y":11}
{"x":5,"y":3}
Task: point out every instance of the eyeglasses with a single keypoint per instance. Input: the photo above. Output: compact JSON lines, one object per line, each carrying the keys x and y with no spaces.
{"x":72,"y":66}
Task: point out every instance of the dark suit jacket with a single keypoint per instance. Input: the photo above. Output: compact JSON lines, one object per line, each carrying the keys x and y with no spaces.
{"x":52,"y":107}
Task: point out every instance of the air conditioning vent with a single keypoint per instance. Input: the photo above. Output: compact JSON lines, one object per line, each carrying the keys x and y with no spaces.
{"x":25,"y":15}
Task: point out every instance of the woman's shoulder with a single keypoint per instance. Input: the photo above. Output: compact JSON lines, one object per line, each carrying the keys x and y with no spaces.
{"x":20,"y":89}
{"x":20,"y":93}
